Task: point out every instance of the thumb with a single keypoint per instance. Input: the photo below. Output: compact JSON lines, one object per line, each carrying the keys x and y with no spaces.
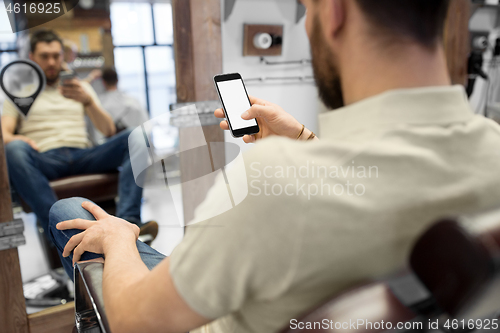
{"x":257,"y":111}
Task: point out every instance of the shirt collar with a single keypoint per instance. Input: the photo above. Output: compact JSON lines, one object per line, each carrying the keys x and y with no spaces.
{"x":419,"y":106}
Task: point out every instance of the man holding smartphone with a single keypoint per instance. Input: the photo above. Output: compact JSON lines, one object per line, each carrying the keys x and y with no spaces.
{"x":52,"y":141}
{"x":321,"y":215}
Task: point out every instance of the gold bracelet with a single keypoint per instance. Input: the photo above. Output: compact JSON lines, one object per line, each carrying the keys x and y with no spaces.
{"x":301,"y":131}
{"x":312,"y":136}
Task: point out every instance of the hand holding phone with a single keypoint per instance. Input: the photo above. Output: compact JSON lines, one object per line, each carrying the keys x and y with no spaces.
{"x":235,"y":101}
{"x":65,"y":76}
{"x":272,"y":120}
{"x":71,"y":88}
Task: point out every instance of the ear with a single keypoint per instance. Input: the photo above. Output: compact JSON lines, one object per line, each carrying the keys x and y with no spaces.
{"x":31,"y":56}
{"x":337,"y":16}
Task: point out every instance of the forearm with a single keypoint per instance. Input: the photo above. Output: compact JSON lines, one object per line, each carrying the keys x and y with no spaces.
{"x":100,"y":118}
{"x":123,"y":273}
{"x":8,"y":128}
{"x":7,"y":137}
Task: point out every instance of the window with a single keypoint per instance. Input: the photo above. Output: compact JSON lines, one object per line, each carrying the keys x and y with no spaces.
{"x":8,"y":47}
{"x":131,"y":24}
{"x":129,"y":63}
{"x":144,"y":58}
{"x":6,"y":57}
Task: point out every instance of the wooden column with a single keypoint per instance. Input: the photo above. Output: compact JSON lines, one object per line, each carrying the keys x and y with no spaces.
{"x":12,"y":306}
{"x":198,"y":58}
{"x":456,"y":40}
{"x":13,"y":317}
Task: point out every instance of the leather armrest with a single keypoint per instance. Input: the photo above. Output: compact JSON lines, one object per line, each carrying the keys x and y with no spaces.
{"x":89,"y":302}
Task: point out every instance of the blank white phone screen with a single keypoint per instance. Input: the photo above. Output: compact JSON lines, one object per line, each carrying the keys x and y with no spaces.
{"x":235,"y":102}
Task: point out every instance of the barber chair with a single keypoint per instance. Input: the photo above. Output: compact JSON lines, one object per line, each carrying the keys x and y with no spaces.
{"x":457,"y":260}
{"x":100,"y":188}
{"x":454,"y":276}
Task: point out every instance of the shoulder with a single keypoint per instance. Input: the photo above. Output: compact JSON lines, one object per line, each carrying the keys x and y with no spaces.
{"x":279,"y":151}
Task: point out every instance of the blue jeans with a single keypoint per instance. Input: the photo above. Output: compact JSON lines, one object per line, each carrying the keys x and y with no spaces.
{"x":68,"y":209}
{"x":31,"y":171}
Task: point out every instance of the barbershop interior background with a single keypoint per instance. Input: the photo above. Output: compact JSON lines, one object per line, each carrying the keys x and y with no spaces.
{"x":136,"y":38}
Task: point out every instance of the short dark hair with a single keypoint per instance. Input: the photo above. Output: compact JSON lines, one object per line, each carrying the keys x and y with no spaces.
{"x":44,"y":36}
{"x":109,"y":76}
{"x":418,"y":20}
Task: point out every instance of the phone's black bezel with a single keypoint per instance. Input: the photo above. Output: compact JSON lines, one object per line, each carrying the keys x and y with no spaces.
{"x":240,"y":132}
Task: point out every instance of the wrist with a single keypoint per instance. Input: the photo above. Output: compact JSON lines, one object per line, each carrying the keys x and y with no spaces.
{"x":88,"y":101}
{"x":120,"y":242}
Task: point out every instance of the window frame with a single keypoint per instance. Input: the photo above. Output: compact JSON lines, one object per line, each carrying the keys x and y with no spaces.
{"x":143,"y":48}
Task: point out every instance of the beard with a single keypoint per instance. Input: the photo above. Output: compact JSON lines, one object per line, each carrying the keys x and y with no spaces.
{"x":52,"y":79}
{"x":326,"y":74}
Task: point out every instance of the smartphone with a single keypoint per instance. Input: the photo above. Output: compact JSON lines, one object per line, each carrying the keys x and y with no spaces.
{"x":234,"y":98}
{"x":66,"y":76}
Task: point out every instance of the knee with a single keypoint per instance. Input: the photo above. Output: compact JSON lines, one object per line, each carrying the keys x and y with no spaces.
{"x":17,"y":151}
{"x":123,"y":135}
{"x":123,"y":138}
{"x":65,"y":209}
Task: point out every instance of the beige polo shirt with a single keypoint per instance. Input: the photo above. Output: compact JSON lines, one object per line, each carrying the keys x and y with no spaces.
{"x":323,"y":216}
{"x":53,"y":120}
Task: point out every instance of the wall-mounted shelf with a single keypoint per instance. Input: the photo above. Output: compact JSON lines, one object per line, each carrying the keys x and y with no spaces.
{"x":229,"y":6}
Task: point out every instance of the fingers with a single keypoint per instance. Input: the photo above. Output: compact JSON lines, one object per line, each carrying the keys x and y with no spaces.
{"x":77,"y":253}
{"x":224,"y":125}
{"x":95,"y":210}
{"x":219,"y":113}
{"x":137,"y":231}
{"x":68,"y":92}
{"x":101,"y":260}
{"x":249,"y":138}
{"x":73,"y":83}
{"x":74,"y":224}
{"x":31,"y":143}
{"x":72,"y":243}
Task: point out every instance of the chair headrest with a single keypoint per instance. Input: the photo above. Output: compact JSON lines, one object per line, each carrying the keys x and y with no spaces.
{"x":457,"y":259}
{"x":360,"y":309}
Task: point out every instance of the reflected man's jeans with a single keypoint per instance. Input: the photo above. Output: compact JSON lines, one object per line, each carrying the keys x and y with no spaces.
{"x":31,"y":171}
{"x":69,"y":209}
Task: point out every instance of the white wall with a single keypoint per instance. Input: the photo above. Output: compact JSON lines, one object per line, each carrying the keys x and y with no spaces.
{"x":298,"y":99}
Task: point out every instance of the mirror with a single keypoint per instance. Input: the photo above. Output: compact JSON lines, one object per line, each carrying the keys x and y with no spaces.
{"x":22,"y":81}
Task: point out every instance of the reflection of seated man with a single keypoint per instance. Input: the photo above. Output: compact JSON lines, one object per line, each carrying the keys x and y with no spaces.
{"x":52,"y":141}
{"x":125,"y":110}
{"x":321,"y":215}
